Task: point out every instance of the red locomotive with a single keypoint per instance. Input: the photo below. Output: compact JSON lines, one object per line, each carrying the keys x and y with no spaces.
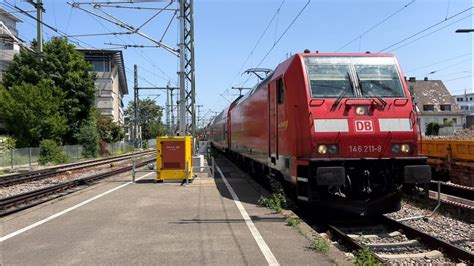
{"x":338,"y":130}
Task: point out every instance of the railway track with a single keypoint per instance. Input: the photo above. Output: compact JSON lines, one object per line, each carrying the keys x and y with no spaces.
{"x":393,"y":242}
{"x":19,"y":178}
{"x":390,"y":241}
{"x":26,"y":200}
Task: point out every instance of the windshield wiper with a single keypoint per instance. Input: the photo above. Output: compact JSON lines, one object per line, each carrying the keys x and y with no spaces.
{"x":359,"y":83}
{"x":382,"y":101}
{"x":369,"y":93}
{"x":343,"y":92}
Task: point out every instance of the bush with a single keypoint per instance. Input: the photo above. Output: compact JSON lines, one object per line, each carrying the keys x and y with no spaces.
{"x":274,"y":202}
{"x":51,"y":153}
{"x":432,"y":129}
{"x":320,"y":244}
{"x":365,"y":257}
{"x":88,"y":137}
{"x":7,"y":143}
{"x":292,"y":221}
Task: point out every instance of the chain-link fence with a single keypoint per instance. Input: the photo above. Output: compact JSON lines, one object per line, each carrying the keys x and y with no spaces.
{"x":120,"y":147}
{"x":27,"y":157}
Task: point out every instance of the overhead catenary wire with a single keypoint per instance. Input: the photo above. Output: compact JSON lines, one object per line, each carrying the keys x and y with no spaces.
{"x":140,"y":53}
{"x":256,"y":44}
{"x":55,"y":30}
{"x":428,"y":34}
{"x":437,"y":63}
{"x":464,"y":77}
{"x":449,"y":66}
{"x":359,"y":37}
{"x":425,"y":29}
{"x":284,"y":32}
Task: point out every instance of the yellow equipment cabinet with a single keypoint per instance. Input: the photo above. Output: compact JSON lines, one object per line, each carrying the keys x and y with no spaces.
{"x":174,"y":158}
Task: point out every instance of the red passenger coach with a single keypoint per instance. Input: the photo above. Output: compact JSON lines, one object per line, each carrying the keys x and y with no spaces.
{"x":338,"y":130}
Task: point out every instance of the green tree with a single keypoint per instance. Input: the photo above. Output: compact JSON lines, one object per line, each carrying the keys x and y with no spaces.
{"x":88,"y":137}
{"x":32,"y":112}
{"x":432,"y":129}
{"x":149,"y":118}
{"x":67,"y":69}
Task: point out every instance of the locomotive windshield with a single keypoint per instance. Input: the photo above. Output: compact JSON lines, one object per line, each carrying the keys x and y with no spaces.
{"x":351,"y":77}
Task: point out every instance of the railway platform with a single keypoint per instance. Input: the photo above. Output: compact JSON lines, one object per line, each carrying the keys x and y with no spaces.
{"x":118,"y":222}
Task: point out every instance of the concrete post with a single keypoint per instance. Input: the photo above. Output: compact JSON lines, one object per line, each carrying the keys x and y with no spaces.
{"x":11,"y":157}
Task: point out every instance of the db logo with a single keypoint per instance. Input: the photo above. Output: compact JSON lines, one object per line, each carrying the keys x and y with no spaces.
{"x":364,"y":126}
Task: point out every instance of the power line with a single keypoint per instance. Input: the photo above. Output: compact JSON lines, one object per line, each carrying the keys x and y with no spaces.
{"x":458,"y":78}
{"x":456,"y":64}
{"x":440,"y":62}
{"x":57,"y":31}
{"x":426,"y":29}
{"x":256,"y":44}
{"x":376,"y":25}
{"x":428,"y":34}
{"x":284,"y":32}
{"x":455,"y":73}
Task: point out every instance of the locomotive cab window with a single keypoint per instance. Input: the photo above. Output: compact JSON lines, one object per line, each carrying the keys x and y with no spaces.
{"x":280,"y":91}
{"x":328,"y":81}
{"x":380,"y":80}
{"x":353,"y":77}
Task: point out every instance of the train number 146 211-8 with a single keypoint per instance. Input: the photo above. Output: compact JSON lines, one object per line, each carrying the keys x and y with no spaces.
{"x":365,"y":148}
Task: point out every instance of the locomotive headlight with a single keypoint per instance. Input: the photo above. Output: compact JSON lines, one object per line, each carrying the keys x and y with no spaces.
{"x":332,"y":149}
{"x":361,"y":110}
{"x":322,"y":149}
{"x":396,"y":148}
{"x":327,"y":149}
{"x":405,"y":148}
{"x":401,"y":148}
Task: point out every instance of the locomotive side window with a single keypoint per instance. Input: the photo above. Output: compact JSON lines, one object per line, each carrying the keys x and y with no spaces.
{"x":328,"y":81}
{"x":380,"y":80}
{"x":280,"y":91}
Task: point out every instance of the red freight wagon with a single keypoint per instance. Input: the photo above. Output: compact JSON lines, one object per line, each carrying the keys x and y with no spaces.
{"x":338,"y":130}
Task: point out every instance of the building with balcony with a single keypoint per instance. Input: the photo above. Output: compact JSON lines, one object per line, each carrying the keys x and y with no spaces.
{"x":111,"y":82}
{"x":8,"y":46}
{"x":435,"y":104}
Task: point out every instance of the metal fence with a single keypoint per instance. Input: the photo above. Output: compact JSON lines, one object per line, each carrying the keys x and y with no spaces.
{"x":27,"y":157}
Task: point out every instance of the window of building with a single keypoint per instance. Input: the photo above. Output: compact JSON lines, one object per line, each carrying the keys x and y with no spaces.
{"x":464,"y":107}
{"x":470,"y":98}
{"x":445,"y":107}
{"x":100,"y":63}
{"x":455,"y":120}
{"x":445,"y":120}
{"x":428,"y":107}
{"x":459,"y":99}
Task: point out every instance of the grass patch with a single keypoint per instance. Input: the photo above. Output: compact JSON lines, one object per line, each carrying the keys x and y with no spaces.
{"x":292,"y":221}
{"x":274,"y":202}
{"x":365,"y":257}
{"x":320,"y":244}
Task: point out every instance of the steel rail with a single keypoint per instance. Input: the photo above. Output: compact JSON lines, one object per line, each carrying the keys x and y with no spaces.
{"x":452,"y":251}
{"x":449,"y":250}
{"x":460,"y":191}
{"x":7,"y":204}
{"x":9,"y":180}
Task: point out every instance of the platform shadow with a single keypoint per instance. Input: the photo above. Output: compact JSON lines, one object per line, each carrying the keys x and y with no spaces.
{"x":210,"y":221}
{"x":246,"y":187}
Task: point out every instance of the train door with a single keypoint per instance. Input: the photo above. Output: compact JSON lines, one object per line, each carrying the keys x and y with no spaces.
{"x":272,"y":123}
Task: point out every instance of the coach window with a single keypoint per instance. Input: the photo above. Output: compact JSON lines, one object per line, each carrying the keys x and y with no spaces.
{"x":280,"y":91}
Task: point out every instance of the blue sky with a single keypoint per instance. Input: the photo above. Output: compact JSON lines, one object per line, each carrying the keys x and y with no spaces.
{"x":226,"y":32}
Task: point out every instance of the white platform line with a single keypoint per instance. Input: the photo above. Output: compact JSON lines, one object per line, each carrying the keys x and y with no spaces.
{"x":253,"y":229}
{"x":56,"y":215}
